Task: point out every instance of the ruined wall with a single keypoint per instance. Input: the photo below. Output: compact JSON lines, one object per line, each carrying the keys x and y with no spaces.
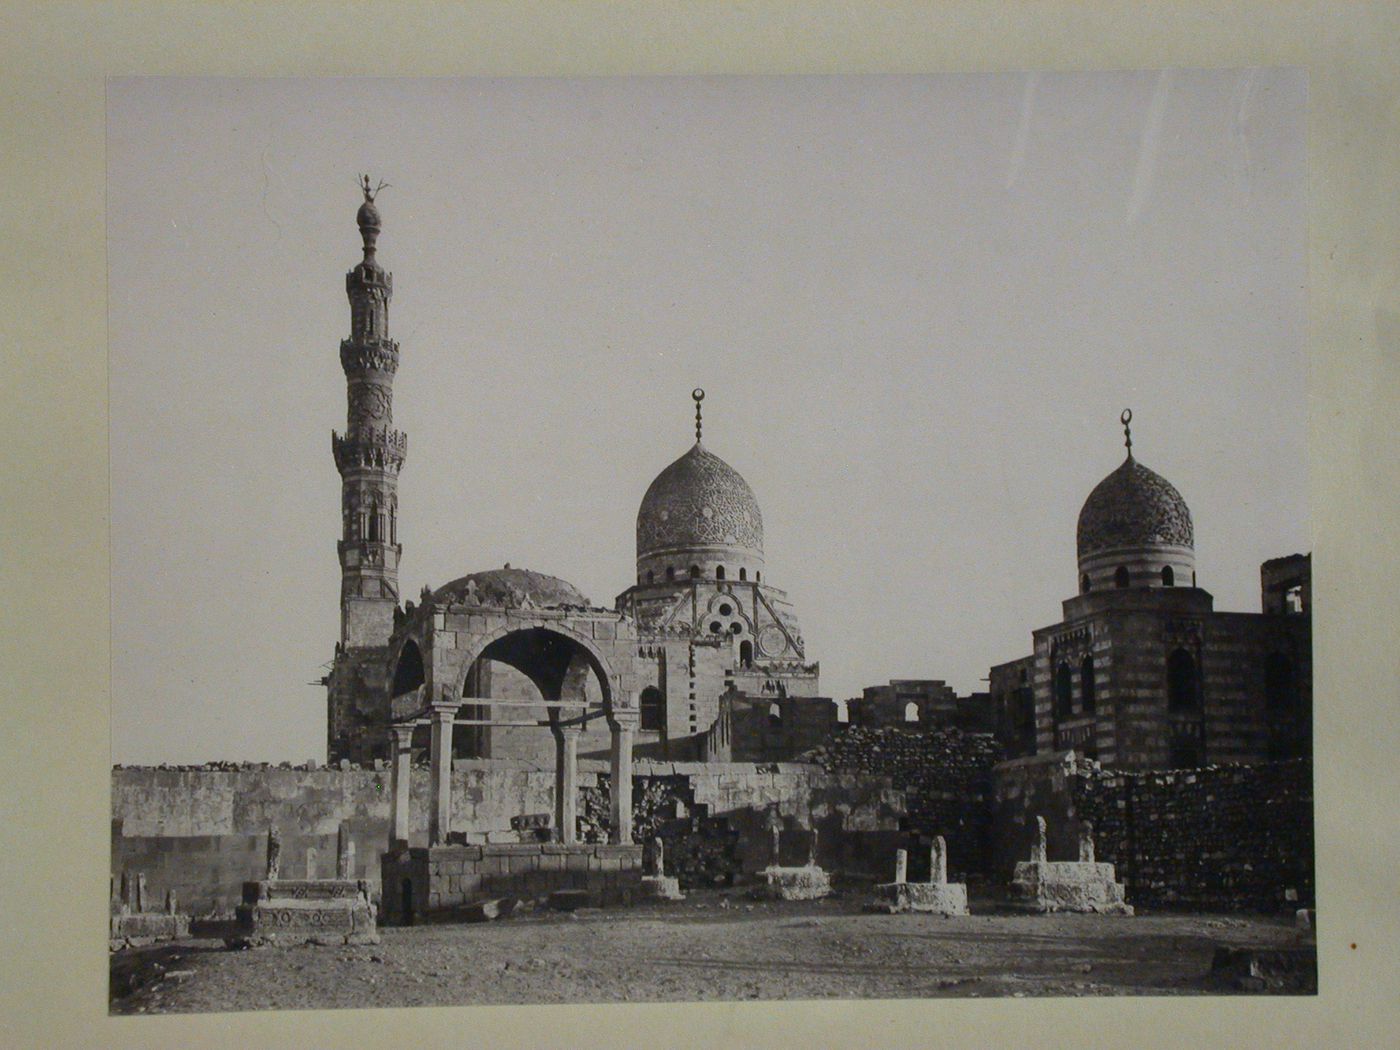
{"x":202,"y":831}
{"x":1209,"y":839}
{"x":945,"y":776}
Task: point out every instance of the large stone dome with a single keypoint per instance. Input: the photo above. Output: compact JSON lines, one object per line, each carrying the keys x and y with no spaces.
{"x":699,"y":501}
{"x":1133,"y":508}
{"x":512,"y":588}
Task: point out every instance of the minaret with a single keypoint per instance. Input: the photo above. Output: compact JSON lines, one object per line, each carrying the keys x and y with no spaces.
{"x":370,"y":452}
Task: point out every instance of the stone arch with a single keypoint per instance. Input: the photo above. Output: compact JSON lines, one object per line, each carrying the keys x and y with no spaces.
{"x":409,"y":672}
{"x":599,"y":664}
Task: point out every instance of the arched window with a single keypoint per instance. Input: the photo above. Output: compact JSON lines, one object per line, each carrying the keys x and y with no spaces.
{"x":1168,"y":577}
{"x":1087,"y":685}
{"x":653,"y":708}
{"x":843,"y":712}
{"x":393,"y":524}
{"x":1084,"y":585}
{"x":1183,"y":682}
{"x":775,"y":714}
{"x":746,"y":654}
{"x":911,"y":712}
{"x":719,"y":572}
{"x":670,"y":572}
{"x":651,"y":576}
{"x":1064,"y":692}
{"x":743,"y":574}
{"x":1280,"y":685}
{"x":373,"y":536}
{"x":758,"y":577}
{"x":695,"y":572}
{"x":1120,"y":576}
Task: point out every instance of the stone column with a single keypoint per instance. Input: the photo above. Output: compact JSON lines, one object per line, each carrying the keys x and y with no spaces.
{"x":1039,"y":850}
{"x":901,"y":865}
{"x":440,"y":813}
{"x":622,"y":781}
{"x":938,"y":861}
{"x":400,"y":745}
{"x":1086,"y":842}
{"x":566,"y":783}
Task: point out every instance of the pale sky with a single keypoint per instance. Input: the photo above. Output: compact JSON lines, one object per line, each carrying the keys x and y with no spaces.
{"x":917,"y":305}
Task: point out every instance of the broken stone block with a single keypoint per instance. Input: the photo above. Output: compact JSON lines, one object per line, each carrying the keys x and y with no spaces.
{"x":794,"y":884}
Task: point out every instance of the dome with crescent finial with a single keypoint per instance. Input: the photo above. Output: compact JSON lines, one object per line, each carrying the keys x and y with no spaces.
{"x":1133,"y":507}
{"x":1135,"y":530}
{"x":699,"y":501}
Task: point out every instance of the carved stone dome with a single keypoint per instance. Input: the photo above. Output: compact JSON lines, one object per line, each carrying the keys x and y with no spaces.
{"x":1133,"y":508}
{"x":510,"y":588}
{"x":699,"y":501}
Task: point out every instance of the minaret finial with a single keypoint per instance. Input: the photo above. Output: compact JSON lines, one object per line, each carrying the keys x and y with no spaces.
{"x":1126,"y":418}
{"x":368,"y":216}
{"x":699,"y":395}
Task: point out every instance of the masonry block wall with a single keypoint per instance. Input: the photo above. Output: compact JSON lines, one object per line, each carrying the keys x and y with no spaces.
{"x":202,"y":831}
{"x":1210,"y":839}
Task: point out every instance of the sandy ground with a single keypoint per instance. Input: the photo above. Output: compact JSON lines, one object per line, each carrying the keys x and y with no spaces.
{"x":712,"y":946}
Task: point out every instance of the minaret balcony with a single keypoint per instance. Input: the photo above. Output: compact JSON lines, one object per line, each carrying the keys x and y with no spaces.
{"x":378,"y":449}
{"x":369,"y":353}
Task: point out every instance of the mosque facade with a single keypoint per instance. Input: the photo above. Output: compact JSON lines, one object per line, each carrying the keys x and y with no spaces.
{"x":529,"y":665}
{"x":1142,"y":672}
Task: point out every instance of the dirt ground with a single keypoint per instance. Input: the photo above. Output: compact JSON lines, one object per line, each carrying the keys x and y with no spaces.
{"x":712,"y":946}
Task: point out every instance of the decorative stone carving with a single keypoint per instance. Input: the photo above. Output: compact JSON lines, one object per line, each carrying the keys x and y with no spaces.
{"x":1133,"y":507}
{"x":674,"y":509}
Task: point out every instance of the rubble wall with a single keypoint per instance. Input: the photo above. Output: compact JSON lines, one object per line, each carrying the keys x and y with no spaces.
{"x":945,"y":776}
{"x":1232,"y":837}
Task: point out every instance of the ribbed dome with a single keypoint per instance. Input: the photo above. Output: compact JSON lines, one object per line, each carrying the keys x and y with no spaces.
{"x":699,"y":501}
{"x":1133,"y":507}
{"x":508,"y":587}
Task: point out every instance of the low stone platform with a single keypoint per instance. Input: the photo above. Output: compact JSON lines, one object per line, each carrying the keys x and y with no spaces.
{"x":428,"y":883}
{"x":948,"y":898}
{"x":134,"y":930}
{"x":794,"y":884}
{"x":1068,"y":885}
{"x":305,"y":911}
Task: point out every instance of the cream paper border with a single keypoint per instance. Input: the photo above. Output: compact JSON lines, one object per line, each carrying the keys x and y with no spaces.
{"x":53,"y":514}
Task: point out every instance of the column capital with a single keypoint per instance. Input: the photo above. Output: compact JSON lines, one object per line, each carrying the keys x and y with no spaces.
{"x":624,"y":721}
{"x":445,"y":709}
{"x":402,"y":733}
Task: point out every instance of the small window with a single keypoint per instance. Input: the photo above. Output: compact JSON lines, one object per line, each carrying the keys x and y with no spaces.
{"x":911,"y":712}
{"x":716,"y":627}
{"x":670,"y":573}
{"x":1183,"y":682}
{"x":1087,"y":684}
{"x":719,"y":572}
{"x":775,"y":714}
{"x":1084,"y":585}
{"x":651,"y":576}
{"x":1064,"y":692}
{"x":1168,"y":577}
{"x":653,"y":709}
{"x":1120,"y":576}
{"x":746,"y":654}
{"x":758,"y":577}
{"x":743,"y":574}
{"x":695,"y":572}
{"x":726,"y":609}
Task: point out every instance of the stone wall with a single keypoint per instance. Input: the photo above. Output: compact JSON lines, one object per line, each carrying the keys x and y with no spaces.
{"x":945,"y":776}
{"x":202,"y":830}
{"x":1216,"y":838}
